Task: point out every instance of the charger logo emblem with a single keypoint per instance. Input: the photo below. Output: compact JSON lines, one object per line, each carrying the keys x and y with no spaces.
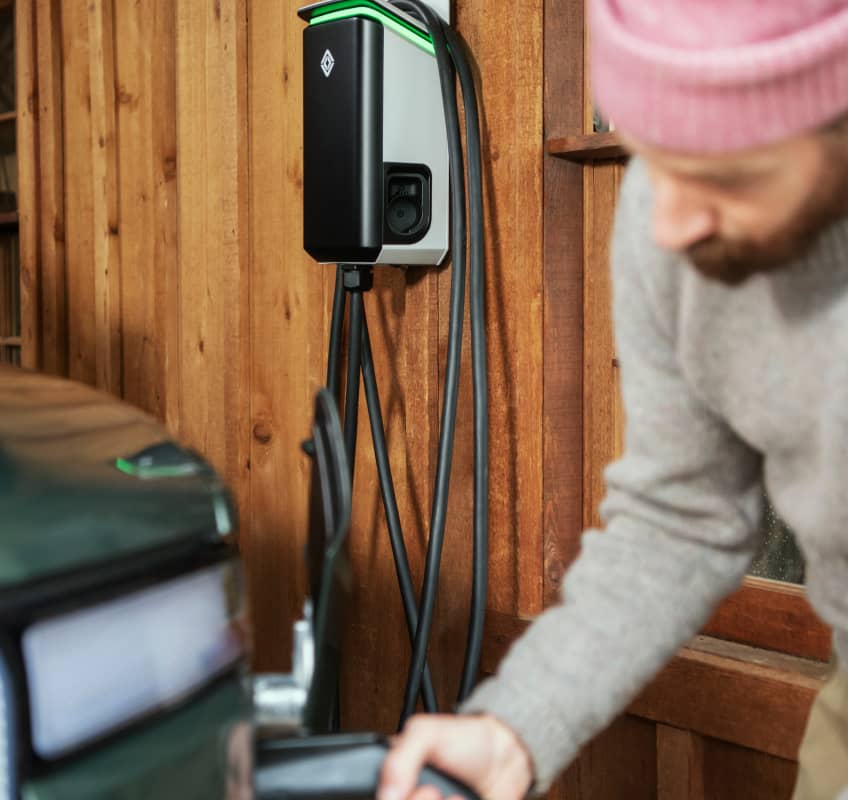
{"x":327,"y":63}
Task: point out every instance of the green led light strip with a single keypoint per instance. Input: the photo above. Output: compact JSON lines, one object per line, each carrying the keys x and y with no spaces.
{"x":128,"y":468}
{"x":355,"y":8}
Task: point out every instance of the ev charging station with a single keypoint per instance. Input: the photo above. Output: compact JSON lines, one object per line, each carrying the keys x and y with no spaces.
{"x":385,"y":182}
{"x":105,"y":692}
{"x":376,"y":187}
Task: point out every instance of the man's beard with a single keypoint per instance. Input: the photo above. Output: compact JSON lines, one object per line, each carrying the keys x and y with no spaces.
{"x":732,"y":261}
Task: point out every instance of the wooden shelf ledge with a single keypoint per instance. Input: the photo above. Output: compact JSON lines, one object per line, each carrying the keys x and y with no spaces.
{"x":8,"y":116}
{"x":10,"y":341}
{"x":724,"y":690}
{"x":8,"y":219}
{"x":586,"y":148}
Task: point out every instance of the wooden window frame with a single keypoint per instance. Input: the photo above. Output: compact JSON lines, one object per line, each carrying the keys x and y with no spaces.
{"x":762,"y":613}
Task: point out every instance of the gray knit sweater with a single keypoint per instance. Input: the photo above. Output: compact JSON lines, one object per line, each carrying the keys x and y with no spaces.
{"x":724,"y":389}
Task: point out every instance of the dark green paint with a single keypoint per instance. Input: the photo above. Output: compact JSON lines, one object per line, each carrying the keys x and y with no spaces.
{"x":182,"y":757}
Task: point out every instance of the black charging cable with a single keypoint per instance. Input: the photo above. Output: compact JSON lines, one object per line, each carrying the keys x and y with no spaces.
{"x":451,"y":56}
{"x":351,"y":281}
{"x":336,"y":330}
{"x":451,"y":60}
{"x":480,"y":569}
{"x":356,"y":281}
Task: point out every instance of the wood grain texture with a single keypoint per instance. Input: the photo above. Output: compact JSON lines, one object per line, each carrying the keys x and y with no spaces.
{"x":145,"y":91}
{"x":562,"y":353}
{"x":52,"y":273}
{"x":731,"y":771}
{"x":213,"y":242}
{"x":104,"y":168}
{"x":599,"y":380}
{"x":772,"y":615}
{"x":739,"y":694}
{"x":26,"y":71}
{"x":587,"y":147}
{"x":680,"y":764}
{"x":510,"y":55}
{"x":760,"y":705}
{"x":79,"y":193}
{"x":620,"y":762}
{"x":287,"y":330}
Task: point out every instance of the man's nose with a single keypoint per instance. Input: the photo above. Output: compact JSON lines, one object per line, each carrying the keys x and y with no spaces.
{"x":681,"y":217}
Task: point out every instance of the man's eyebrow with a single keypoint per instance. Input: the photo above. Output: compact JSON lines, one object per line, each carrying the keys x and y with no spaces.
{"x":715,"y":172}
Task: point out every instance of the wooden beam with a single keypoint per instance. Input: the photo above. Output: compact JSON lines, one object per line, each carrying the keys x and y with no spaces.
{"x":735,"y":693}
{"x":587,"y":147}
{"x":774,"y":616}
{"x":724,"y":690}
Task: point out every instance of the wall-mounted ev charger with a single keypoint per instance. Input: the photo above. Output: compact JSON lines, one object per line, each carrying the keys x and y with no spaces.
{"x":376,"y":171}
{"x":385,"y":172}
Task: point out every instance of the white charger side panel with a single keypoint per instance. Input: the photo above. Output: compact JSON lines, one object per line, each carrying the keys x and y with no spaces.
{"x":414,"y":132}
{"x":441,"y":7}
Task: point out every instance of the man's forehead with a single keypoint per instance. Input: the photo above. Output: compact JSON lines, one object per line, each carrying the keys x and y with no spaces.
{"x":696,"y":165}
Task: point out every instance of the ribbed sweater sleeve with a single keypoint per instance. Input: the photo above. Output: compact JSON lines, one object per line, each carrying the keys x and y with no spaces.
{"x":680,"y":514}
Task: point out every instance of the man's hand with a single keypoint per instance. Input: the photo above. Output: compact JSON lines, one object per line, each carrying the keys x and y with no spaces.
{"x":480,"y":751}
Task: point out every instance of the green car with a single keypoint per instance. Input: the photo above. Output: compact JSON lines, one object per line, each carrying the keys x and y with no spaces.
{"x":123,"y":646}
{"x":122,"y":655}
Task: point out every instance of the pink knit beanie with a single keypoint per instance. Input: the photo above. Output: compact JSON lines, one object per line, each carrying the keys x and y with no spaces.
{"x":718,"y":75}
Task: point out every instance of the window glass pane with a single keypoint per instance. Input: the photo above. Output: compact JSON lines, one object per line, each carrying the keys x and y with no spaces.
{"x":8,"y":167}
{"x":7,"y":56}
{"x":778,"y":557}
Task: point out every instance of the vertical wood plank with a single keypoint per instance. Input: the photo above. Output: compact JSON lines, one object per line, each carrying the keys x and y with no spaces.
{"x":680,"y":764}
{"x":79,"y":194}
{"x":511,"y":54}
{"x":213,"y":279}
{"x":26,"y":70}
{"x":146,"y":110}
{"x":599,"y":348}
{"x":732,"y":771}
{"x":620,"y":762}
{"x":104,"y":167}
{"x":288,"y":302}
{"x":162,"y":121}
{"x":288,"y":299}
{"x":52,"y":272}
{"x":618,"y":403}
{"x":562,"y":417}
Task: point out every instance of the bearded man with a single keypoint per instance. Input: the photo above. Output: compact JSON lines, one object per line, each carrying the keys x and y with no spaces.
{"x":730,"y":295}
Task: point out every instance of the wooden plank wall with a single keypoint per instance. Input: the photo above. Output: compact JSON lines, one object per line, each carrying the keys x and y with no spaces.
{"x":162,"y":238}
{"x":161,"y":257}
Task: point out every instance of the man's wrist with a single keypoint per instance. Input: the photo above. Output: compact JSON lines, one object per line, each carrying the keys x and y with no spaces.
{"x":513,"y":757}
